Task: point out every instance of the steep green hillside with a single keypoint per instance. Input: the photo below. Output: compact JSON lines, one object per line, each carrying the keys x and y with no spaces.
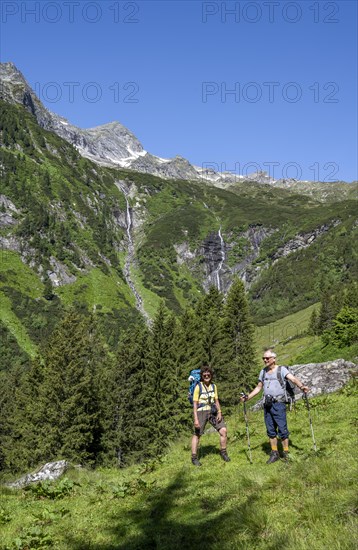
{"x":294,"y":281}
{"x":63,"y":226}
{"x":309,"y":502}
{"x":187,"y":212}
{"x":64,"y":241}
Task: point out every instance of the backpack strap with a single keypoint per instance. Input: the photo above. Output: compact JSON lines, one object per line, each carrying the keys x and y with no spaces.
{"x":200,"y":392}
{"x":207,"y":393}
{"x":280,"y":377}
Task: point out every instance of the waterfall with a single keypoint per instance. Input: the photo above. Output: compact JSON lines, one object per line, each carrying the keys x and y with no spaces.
{"x":128,"y":221}
{"x":130,"y":254}
{"x":216,"y":274}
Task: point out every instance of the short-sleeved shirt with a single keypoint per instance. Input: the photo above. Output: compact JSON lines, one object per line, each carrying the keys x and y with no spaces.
{"x":271,"y":384}
{"x":206,"y":397}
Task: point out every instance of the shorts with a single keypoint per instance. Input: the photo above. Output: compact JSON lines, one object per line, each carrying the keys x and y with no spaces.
{"x":276,"y":420}
{"x":204,"y":417}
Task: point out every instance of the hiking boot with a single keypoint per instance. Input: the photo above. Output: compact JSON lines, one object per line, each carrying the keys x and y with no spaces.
{"x":274,"y":456}
{"x":225,"y":456}
{"x":195,"y":462}
{"x":286,"y":456}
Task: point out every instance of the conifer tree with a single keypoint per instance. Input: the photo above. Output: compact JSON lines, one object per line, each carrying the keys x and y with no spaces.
{"x":212,"y":339}
{"x":213,"y":301}
{"x":20,"y":441}
{"x":237,"y":364}
{"x":351,"y":295}
{"x":131,"y":400}
{"x":162,"y":381}
{"x":67,"y":403}
{"x":179,"y":384}
{"x":344,"y":331}
{"x":313,"y":325}
{"x":8,"y":381}
{"x":210,"y":311}
{"x":48,"y":291}
{"x":326,"y":313}
{"x":189,"y":354}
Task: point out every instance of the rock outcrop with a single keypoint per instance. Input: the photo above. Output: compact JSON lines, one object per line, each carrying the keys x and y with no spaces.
{"x":7,"y":212}
{"x":303,"y":240}
{"x":50,"y":472}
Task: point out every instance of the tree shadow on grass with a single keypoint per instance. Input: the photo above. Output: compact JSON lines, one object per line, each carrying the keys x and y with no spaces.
{"x":171,"y":519}
{"x":206,"y":450}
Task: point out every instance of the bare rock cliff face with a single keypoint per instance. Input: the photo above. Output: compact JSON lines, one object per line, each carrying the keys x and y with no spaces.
{"x":303,"y":240}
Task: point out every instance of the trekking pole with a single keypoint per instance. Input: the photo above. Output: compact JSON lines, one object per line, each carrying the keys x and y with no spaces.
{"x":247,"y":429}
{"x":309,"y":416}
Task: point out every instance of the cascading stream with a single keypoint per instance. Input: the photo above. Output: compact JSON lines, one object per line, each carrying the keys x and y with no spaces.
{"x":216,"y":274}
{"x":129,"y":221}
{"x":130,"y":256}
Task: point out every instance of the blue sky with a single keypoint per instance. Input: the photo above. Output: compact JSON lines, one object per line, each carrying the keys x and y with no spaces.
{"x":234,"y":85}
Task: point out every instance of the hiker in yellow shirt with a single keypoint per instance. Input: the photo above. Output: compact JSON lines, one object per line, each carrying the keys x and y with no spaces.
{"x":206,"y":407}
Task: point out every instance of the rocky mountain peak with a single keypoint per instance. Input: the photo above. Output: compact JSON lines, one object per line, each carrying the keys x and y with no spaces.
{"x":261,"y":176}
{"x":119,"y":134}
{"x":15,"y":89}
{"x":112,"y":144}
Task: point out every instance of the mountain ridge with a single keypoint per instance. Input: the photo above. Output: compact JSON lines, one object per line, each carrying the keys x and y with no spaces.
{"x":112,"y":144}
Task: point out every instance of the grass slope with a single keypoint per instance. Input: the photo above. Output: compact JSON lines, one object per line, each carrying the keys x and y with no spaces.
{"x":309,"y":502}
{"x":14,"y":274}
{"x":287,"y":335}
{"x":15,"y":327}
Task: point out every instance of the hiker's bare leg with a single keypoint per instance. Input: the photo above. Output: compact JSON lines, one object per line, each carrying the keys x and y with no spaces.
{"x":273,"y":443}
{"x":194,"y":444}
{"x":223,"y":438}
{"x":285,"y":444}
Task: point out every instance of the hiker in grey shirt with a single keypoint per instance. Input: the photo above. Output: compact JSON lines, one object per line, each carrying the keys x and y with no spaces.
{"x":274,"y":402}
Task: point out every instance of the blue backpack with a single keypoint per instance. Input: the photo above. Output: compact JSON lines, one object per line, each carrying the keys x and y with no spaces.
{"x":194,"y":379}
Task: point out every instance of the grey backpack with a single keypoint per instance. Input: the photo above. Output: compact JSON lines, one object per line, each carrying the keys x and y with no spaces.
{"x":287,"y":386}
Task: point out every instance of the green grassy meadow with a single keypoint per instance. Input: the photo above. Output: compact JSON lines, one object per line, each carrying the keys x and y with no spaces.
{"x":288,"y":335}
{"x":294,"y":345}
{"x":309,"y":502}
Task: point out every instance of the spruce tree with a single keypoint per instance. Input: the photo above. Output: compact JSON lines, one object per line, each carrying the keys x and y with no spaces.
{"x":189,"y":352}
{"x":351,"y":295}
{"x":210,"y":311}
{"x":180,"y":407}
{"x":237,"y":366}
{"x":188,"y":356}
{"x":345,"y":328}
{"x":21,"y":438}
{"x":132,"y":399}
{"x":48,"y":291}
{"x":313,"y":325}
{"x":67,"y":402}
{"x":162,"y":381}
{"x":326,"y":313}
